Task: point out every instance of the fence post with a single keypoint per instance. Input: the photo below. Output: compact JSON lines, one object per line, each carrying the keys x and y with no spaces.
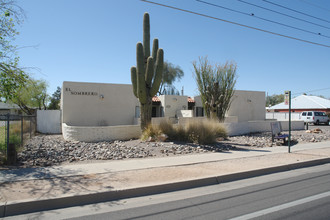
{"x":8,"y":115}
{"x":30,"y":128}
{"x":22,"y":132}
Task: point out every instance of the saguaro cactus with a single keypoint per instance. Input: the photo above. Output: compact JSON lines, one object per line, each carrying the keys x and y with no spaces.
{"x":147,"y":75}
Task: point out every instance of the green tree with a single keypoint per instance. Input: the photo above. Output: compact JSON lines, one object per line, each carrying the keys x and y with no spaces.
{"x":12,"y":78}
{"x":55,"y":99}
{"x":274,"y":99}
{"x":32,"y":96}
{"x":216,"y":86}
{"x":171,"y":73}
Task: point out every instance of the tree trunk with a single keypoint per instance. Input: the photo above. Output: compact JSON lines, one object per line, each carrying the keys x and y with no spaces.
{"x":145,"y":114}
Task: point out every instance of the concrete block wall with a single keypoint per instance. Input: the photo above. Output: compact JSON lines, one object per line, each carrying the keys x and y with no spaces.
{"x":100,"y":133}
{"x":259,"y":126}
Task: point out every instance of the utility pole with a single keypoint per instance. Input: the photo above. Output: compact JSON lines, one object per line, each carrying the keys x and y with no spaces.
{"x":287,"y":101}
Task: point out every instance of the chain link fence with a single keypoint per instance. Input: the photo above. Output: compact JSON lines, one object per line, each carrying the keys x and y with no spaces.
{"x":15,"y":130}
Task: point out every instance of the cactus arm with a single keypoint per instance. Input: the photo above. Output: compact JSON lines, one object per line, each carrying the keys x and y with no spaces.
{"x":141,"y":84}
{"x":149,"y":71}
{"x":155,"y":49}
{"x":146,"y":36}
{"x":141,"y":88}
{"x":158,"y":73}
{"x":134,"y":80}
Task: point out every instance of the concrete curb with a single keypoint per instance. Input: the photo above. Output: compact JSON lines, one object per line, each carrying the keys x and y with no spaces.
{"x":24,"y":207}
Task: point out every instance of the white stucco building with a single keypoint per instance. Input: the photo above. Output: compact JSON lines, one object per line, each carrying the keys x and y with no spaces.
{"x":100,"y":111}
{"x":100,"y":104}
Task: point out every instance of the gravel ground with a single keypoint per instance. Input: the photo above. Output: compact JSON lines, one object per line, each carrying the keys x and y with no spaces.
{"x":48,"y":150}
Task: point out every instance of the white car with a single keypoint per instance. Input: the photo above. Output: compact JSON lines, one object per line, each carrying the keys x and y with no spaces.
{"x":315,"y":117}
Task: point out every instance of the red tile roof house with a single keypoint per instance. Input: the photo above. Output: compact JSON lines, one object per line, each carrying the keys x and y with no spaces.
{"x":303,"y":103}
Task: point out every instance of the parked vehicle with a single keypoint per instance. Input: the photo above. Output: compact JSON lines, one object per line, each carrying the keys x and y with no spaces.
{"x":315,"y":117}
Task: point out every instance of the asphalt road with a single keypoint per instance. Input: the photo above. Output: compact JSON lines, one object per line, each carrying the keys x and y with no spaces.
{"x":297,"y":194}
{"x":302,"y":197}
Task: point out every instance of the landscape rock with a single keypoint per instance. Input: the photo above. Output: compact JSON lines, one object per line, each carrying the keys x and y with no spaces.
{"x":49,"y":150}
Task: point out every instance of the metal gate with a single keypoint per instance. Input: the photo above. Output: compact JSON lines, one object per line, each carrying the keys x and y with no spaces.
{"x":14,"y":131}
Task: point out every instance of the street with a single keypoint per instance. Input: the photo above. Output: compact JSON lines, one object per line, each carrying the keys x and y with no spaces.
{"x":297,"y":194}
{"x":246,"y":203}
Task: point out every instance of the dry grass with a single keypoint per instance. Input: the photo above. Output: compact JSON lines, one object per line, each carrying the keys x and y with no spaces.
{"x":205,"y":132}
{"x":151,"y":132}
{"x":199,"y":132}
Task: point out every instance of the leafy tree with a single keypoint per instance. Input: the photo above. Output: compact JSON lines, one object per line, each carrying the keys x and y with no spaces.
{"x":12,"y":78}
{"x":274,"y":99}
{"x":171,"y":73}
{"x":33,"y":95}
{"x":216,"y":86}
{"x":170,"y":90}
{"x":55,"y":99}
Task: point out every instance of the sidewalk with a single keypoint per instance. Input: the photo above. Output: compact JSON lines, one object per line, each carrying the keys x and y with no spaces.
{"x":36,"y":189}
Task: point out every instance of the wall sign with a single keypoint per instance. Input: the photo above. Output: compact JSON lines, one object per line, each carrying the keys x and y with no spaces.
{"x":81,"y":92}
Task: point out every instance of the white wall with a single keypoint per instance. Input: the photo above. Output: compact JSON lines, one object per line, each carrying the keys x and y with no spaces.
{"x":259,"y":126}
{"x":100,"y":133}
{"x":97,"y":104}
{"x":245,"y":106}
{"x":248,"y":106}
{"x":173,"y":104}
{"x":49,"y":121}
{"x":283,"y":116}
{"x":198,"y":101}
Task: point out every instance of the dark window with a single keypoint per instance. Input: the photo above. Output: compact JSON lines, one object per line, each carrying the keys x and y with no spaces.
{"x":161,"y":111}
{"x":154,"y":112}
{"x":199,"y":112}
{"x":137,"y":111}
{"x":304,"y":114}
{"x":310,"y":114}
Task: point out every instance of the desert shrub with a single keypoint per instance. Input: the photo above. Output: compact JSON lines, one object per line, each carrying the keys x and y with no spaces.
{"x":167,"y":128}
{"x":205,"y":132}
{"x":180,"y":133}
{"x":151,"y":132}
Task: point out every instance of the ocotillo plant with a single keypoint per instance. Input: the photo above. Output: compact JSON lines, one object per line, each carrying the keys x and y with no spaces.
{"x":214,"y":97}
{"x":147,"y":75}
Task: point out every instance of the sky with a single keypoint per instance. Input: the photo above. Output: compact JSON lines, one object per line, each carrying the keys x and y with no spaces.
{"x":95,"y":41}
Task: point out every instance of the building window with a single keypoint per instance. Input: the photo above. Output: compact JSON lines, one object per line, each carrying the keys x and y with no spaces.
{"x":137,"y":111}
{"x":161,"y":111}
{"x":154,"y":112}
{"x":199,"y":112}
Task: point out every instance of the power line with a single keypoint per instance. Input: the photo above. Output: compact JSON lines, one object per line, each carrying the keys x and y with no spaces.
{"x":231,"y":22}
{"x":316,"y":90}
{"x":315,"y":5}
{"x":264,"y":19}
{"x":277,"y":12}
{"x":296,"y":11}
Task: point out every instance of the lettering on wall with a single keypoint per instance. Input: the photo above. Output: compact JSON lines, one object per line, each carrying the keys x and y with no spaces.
{"x":88,"y":93}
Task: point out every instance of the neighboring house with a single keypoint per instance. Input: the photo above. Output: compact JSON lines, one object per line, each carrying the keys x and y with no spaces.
{"x":303,"y":103}
{"x":6,"y":108}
